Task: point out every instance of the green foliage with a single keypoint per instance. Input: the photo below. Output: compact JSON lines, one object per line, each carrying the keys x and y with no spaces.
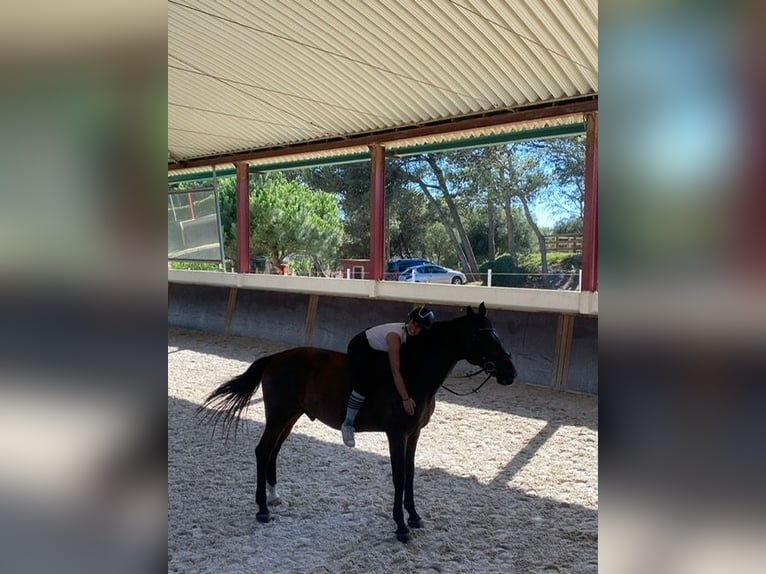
{"x":557,"y":261}
{"x":227,"y":196}
{"x":569,"y":226}
{"x":194,"y":266}
{"x":409,"y":222}
{"x":406,"y":210}
{"x":524,"y":239}
{"x":302,"y":265}
{"x":566,"y":158}
{"x":288,"y":217}
{"x":562,"y":269}
{"x":437,"y":246}
{"x":505,"y":273}
{"x":570,"y":262}
{"x":350,"y":184}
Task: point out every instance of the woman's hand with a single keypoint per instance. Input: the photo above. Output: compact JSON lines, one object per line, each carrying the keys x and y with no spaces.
{"x":409,"y":406}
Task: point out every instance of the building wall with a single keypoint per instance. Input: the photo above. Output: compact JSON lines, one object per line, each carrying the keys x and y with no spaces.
{"x":330,"y":321}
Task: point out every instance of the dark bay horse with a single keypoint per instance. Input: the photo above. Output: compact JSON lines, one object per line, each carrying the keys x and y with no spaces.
{"x":317,"y":383}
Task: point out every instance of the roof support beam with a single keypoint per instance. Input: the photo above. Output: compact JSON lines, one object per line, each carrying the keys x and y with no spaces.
{"x":590,"y":216}
{"x":377,"y":210}
{"x":447,"y":126}
{"x":532,"y":134}
{"x":243,"y":218}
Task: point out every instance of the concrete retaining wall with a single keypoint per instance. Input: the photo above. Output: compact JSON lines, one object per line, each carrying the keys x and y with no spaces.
{"x":330,"y":321}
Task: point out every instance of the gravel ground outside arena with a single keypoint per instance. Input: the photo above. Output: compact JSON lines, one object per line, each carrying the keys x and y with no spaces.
{"x":506,"y":481}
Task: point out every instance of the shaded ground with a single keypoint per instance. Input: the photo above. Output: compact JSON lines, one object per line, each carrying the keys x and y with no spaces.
{"x":506,"y":481}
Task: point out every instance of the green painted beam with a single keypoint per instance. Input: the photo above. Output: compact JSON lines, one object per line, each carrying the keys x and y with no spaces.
{"x":498,"y":139}
{"x":200,"y":176}
{"x":337,"y":160}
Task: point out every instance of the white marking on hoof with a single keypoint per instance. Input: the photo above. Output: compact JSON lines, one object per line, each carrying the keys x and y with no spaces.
{"x":272,"y":496}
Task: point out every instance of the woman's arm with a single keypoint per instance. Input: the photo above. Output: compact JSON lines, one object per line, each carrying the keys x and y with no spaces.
{"x":394,"y":350}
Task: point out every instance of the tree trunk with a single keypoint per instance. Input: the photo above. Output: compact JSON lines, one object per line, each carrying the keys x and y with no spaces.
{"x":275,"y":261}
{"x":491,"y":232}
{"x":445,"y":222}
{"x":540,"y":240}
{"x":509,"y":224}
{"x":318,"y":267}
{"x":471,"y":267}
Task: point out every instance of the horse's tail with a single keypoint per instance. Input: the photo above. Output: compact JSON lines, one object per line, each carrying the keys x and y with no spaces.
{"x":225,"y":404}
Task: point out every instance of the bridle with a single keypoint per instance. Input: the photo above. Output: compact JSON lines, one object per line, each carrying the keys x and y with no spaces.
{"x":488,"y":366}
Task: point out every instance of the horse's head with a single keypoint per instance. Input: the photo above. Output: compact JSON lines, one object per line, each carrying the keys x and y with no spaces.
{"x":483,"y":348}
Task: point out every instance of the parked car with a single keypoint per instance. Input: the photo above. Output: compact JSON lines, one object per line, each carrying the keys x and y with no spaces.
{"x":432,"y":273}
{"x":396,"y":266}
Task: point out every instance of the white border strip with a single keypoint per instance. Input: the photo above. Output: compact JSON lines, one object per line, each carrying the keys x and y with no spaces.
{"x":552,"y":301}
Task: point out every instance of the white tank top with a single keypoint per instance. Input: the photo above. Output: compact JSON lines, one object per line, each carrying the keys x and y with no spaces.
{"x":376,"y":336}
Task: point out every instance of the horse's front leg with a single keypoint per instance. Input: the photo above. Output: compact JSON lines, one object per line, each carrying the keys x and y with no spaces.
{"x":413,"y":519}
{"x":397,"y":450}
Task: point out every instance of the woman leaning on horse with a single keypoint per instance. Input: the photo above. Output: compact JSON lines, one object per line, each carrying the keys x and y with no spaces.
{"x":387,"y":338}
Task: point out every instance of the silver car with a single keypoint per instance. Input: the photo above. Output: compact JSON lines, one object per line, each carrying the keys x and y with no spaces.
{"x":430,"y":273}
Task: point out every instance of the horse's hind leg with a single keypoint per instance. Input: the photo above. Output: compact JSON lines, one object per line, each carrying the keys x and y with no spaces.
{"x":413,"y":519}
{"x":272,"y":496}
{"x":263,"y":452}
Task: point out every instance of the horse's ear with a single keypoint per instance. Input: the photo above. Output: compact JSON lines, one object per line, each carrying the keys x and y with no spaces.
{"x":469,"y":311}
{"x":482,"y":309}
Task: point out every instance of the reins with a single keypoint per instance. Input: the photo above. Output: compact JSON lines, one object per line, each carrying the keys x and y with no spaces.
{"x":488,"y":367}
{"x":469,"y":375}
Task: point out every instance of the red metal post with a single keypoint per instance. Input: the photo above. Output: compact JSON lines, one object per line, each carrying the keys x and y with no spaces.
{"x":377,"y":210}
{"x":243,"y":219}
{"x":590,"y":218}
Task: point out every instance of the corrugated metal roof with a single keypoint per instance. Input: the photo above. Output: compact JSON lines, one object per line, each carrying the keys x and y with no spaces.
{"x":246,"y":76}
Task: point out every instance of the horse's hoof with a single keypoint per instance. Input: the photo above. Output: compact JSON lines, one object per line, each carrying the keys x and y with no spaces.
{"x":414,"y":523}
{"x":263,"y":517}
{"x":403,"y":537}
{"x":275,"y":501}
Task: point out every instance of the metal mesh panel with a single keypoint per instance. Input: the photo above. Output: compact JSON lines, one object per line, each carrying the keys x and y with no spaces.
{"x":193,"y":228}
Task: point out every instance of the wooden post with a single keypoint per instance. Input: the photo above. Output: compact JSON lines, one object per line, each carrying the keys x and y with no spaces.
{"x":377,"y":210}
{"x":230,"y":309}
{"x":563,"y":347}
{"x":311,"y":315}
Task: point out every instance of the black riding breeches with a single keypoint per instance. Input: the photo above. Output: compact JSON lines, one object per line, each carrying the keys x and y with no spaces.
{"x":362,"y":359}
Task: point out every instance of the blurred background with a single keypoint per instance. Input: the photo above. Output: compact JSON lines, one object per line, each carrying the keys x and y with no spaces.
{"x":682,"y":287}
{"x":682,"y":284}
{"x":82,"y":308}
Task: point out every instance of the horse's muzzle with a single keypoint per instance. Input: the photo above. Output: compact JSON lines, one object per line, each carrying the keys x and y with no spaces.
{"x":505,"y":373}
{"x":504,"y":381}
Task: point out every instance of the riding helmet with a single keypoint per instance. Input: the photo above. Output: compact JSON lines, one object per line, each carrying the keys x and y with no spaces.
{"x":423,"y":316}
